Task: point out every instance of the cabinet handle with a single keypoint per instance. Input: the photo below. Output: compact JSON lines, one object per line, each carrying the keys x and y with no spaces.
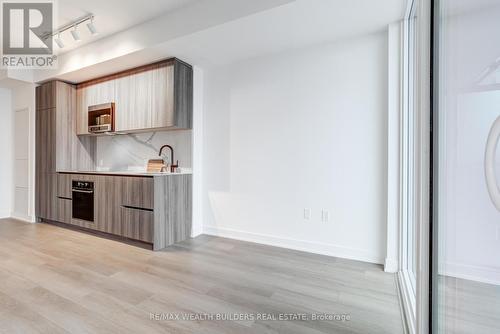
{"x":136,"y":208}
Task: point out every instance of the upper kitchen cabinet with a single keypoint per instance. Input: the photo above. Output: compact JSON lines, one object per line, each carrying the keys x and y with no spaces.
{"x":155,"y":96}
{"x":91,"y":94}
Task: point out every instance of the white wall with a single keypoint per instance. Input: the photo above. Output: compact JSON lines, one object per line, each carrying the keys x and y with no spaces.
{"x":394,"y":60}
{"x":6,"y":153}
{"x":469,"y":224}
{"x":301,"y":129}
{"x":23,"y":146}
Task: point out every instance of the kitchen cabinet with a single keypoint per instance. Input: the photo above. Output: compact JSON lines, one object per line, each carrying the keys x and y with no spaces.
{"x":137,"y":192}
{"x":137,"y":224}
{"x":45,"y":96}
{"x":72,"y":152}
{"x":45,"y":175}
{"x":64,"y":210}
{"x":89,"y":95}
{"x":57,"y":146}
{"x":107,"y":198}
{"x":154,"y":210}
{"x":155,"y":96}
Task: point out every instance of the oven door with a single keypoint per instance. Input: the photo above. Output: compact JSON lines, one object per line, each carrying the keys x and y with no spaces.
{"x":83,"y":204}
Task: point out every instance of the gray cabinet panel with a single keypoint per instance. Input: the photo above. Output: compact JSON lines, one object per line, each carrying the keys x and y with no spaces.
{"x":73,"y":152}
{"x":64,"y":210}
{"x":45,"y":96}
{"x":173,"y":210}
{"x":137,"y":192}
{"x":64,"y":185}
{"x":145,"y":100}
{"x":183,"y":95}
{"x":108,"y":190}
{"x":45,"y":177}
{"x":137,"y":224}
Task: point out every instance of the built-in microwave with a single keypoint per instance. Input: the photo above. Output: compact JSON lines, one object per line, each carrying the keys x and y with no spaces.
{"x":102,"y":118}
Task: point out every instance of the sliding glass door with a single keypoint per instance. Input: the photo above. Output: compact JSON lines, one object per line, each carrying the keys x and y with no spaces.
{"x":408,"y":253}
{"x":467,"y":170}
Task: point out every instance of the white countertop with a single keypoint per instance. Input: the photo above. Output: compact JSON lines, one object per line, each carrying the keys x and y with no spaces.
{"x":184,"y":171}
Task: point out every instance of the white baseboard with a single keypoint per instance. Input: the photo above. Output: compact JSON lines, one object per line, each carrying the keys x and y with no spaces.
{"x":22,"y":217}
{"x":300,"y":245}
{"x":196,"y":231}
{"x":390,"y":265}
{"x":489,"y":275}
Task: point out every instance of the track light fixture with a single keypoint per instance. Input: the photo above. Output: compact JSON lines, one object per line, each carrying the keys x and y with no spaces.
{"x":74,"y":32}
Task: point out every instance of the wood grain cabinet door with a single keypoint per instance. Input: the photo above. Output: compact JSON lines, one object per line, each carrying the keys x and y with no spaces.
{"x":45,"y":175}
{"x":107,"y":192}
{"x":137,"y":224}
{"x":145,"y":100}
{"x":64,"y":210}
{"x":137,"y":192}
{"x":45,"y":95}
{"x":64,"y":186}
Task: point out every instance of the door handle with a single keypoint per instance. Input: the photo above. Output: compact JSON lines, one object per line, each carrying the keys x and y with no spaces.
{"x":489,"y":163}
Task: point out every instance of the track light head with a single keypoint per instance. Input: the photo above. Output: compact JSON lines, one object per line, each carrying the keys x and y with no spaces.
{"x":76,"y":34}
{"x":92,"y":27}
{"x":59,"y":41}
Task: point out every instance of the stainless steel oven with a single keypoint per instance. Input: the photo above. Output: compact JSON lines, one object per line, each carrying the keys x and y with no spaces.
{"x":83,"y":200}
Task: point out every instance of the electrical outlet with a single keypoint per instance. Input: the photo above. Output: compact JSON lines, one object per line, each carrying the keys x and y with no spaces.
{"x":307,"y":213}
{"x":325,"y":216}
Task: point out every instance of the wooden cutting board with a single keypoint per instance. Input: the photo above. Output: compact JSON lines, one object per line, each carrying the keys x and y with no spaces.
{"x":155,"y":165}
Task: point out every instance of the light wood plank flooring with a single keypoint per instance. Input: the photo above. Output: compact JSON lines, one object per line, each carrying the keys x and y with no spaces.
{"x":54,"y":280}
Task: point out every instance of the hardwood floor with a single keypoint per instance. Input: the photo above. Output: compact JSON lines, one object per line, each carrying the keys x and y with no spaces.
{"x":54,"y":280}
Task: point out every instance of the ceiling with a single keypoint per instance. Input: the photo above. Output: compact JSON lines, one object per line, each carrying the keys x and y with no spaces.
{"x":294,"y":24}
{"x":111,"y":16}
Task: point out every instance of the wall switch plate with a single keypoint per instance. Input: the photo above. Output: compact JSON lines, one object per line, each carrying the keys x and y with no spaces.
{"x":307,"y":213}
{"x":325,"y":216}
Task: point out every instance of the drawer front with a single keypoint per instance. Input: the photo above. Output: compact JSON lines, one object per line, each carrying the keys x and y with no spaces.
{"x":64,"y":210}
{"x":64,"y":185}
{"x":137,"y":192}
{"x":137,"y":224}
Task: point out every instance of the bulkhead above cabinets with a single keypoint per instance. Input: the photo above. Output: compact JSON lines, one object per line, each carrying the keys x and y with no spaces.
{"x":157,"y":96}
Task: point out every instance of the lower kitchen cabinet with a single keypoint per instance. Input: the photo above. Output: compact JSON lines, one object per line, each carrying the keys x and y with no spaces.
{"x":137,"y":224}
{"x":64,"y":210}
{"x":154,"y":210}
{"x":137,"y":192}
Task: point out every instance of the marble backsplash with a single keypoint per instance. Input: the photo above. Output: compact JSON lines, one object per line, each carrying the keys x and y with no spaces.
{"x":132,"y":151}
